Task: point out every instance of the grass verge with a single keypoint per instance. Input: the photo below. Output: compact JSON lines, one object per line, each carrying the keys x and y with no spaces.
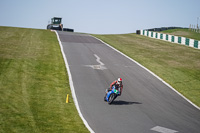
{"x":183,"y":33}
{"x":178,"y":65}
{"x":34,"y":84}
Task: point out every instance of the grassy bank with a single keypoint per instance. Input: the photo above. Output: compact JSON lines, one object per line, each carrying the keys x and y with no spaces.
{"x":34,"y":84}
{"x":183,"y":33}
{"x":178,"y":65}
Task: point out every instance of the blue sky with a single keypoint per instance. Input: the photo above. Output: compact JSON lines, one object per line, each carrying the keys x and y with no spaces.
{"x":100,"y":16}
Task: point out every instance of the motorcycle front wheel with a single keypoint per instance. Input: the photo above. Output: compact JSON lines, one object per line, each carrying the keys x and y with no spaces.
{"x":111,"y":98}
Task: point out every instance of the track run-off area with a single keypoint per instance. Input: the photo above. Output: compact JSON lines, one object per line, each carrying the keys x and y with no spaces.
{"x":147,"y":105}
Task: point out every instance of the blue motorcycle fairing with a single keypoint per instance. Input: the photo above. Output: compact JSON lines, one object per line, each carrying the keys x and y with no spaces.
{"x":109,"y":93}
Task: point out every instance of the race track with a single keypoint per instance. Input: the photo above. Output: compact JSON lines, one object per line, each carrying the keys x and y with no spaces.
{"x":147,"y":105}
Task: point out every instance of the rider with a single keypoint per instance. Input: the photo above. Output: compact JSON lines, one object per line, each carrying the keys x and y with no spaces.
{"x":118,"y":85}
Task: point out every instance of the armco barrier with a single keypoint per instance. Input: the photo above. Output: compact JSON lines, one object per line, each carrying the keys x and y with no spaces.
{"x":171,"y":38}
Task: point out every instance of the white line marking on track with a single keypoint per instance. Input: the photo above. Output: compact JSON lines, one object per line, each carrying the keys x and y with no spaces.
{"x":98,"y":60}
{"x":101,"y":65}
{"x":163,"y":130}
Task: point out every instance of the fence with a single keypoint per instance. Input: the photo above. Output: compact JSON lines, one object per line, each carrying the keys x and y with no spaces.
{"x":194,"y":29}
{"x":171,"y":38}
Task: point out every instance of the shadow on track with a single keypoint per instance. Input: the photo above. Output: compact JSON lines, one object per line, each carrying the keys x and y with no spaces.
{"x":120,"y":102}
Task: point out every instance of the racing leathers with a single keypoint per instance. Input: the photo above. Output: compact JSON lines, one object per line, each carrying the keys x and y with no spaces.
{"x":118,"y":86}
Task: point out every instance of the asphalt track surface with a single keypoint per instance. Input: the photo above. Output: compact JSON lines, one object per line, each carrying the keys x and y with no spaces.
{"x":147,"y":105}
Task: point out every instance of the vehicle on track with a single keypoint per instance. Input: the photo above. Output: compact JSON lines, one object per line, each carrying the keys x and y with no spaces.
{"x":55,"y":24}
{"x":111,"y":95}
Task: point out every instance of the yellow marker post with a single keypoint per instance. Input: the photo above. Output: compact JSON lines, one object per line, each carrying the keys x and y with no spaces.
{"x":67,"y":99}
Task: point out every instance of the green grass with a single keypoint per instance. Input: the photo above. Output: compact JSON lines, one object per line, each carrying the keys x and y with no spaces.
{"x":34,"y":84}
{"x":183,"y":33}
{"x":178,"y":65}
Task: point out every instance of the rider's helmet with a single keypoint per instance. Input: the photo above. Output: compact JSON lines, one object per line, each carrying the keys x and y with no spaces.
{"x":119,"y":81}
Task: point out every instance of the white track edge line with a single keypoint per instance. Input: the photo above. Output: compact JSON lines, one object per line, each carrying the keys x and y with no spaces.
{"x":149,"y":72}
{"x":72,"y":86}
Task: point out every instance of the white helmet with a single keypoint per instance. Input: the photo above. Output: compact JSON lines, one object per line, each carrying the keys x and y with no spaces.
{"x":119,"y":80}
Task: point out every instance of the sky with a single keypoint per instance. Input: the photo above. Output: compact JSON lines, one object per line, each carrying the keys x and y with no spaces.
{"x":100,"y":16}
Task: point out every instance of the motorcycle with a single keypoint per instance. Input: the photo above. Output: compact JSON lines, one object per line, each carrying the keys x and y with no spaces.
{"x":111,"y":95}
